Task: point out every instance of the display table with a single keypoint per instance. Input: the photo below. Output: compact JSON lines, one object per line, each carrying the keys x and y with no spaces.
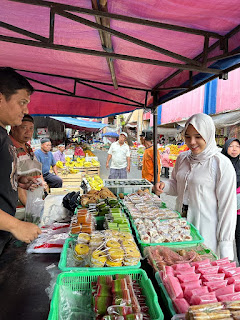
{"x":23,"y":280}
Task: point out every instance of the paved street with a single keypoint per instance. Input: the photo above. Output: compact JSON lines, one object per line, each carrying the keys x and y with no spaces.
{"x":134,"y":174}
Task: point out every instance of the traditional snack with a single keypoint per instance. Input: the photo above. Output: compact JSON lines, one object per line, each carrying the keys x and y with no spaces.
{"x":113,"y":244}
{"x":83,"y":237}
{"x":115,"y":255}
{"x":98,"y":259}
{"x":107,"y":248}
{"x":81,"y":251}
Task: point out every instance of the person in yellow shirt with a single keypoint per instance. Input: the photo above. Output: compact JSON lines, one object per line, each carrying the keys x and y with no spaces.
{"x":146,"y":138}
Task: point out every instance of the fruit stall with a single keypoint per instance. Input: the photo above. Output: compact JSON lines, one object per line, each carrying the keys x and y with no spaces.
{"x":174,"y":152}
{"x":73,"y":170}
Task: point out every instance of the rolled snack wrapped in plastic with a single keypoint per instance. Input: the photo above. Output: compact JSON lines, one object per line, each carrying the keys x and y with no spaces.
{"x":209,"y":307}
{"x":181,"y":305}
{"x":232,"y":305}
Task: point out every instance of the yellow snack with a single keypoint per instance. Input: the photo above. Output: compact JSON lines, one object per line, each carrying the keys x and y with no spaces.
{"x":98,"y":258}
{"x":81,"y":249}
{"x":126,"y":236}
{"x":132,"y":252}
{"x":113,"y":244}
{"x":113,"y":264}
{"x":83,"y":238}
{"x":116,"y":254}
{"x":128,"y":243}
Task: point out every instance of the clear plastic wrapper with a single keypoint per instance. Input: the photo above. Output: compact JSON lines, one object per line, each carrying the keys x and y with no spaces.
{"x":51,"y":240}
{"x":209,"y":311}
{"x":107,"y":248}
{"x":161,"y":256}
{"x":83,"y":222}
{"x":122,"y":299}
{"x":75,"y":305}
{"x":181,"y":305}
{"x":54,"y":272}
{"x":174,"y":230}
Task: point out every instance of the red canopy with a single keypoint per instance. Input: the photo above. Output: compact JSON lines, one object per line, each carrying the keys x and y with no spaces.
{"x":97,"y":58}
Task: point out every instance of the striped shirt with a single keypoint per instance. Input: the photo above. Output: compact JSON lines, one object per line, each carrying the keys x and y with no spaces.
{"x":27,"y":163}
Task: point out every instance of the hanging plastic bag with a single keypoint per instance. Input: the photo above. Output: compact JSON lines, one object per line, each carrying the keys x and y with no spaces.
{"x":34,"y":205}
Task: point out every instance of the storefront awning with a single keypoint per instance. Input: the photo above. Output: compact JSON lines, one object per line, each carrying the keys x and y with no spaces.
{"x":99,"y":58}
{"x":81,"y":124}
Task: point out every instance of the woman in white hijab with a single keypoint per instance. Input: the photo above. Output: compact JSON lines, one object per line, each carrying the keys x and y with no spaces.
{"x":204,"y":182}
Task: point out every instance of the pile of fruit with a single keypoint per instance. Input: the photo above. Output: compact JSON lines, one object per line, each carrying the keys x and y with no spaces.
{"x":79,"y":163}
{"x":95,"y":182}
{"x":174,"y":149}
{"x":89,"y":153}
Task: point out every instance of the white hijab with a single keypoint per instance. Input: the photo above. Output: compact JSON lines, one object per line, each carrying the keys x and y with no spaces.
{"x":206,"y":128}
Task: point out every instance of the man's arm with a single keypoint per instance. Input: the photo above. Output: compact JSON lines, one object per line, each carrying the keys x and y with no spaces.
{"x":55,"y":170}
{"x":24,"y":231}
{"x":109,"y":157}
{"x":44,"y":183}
{"x":128,"y":164}
{"x":54,"y":167}
{"x":22,"y":196}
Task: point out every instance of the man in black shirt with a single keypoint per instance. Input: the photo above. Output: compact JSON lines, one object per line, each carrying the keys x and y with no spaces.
{"x":15,"y":93}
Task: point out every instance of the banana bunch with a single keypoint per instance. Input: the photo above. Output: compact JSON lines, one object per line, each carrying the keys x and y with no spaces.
{"x":87,"y":164}
{"x":96,"y":182}
{"x":59,"y":164}
{"x":80,"y":162}
{"x":98,"y":179}
{"x":95,"y":163}
{"x":71,"y":170}
{"x":69,"y":164}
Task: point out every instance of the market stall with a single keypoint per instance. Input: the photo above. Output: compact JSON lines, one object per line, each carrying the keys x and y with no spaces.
{"x":202,"y":46}
{"x":174,"y":151}
{"x":122,"y":233}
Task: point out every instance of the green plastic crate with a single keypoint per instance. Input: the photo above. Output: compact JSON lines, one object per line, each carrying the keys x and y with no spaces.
{"x":82,"y":282}
{"x":196,"y":238}
{"x":164,"y":295}
{"x":163,"y":292}
{"x":62,"y":265}
{"x":200,"y":248}
{"x":163,"y":206}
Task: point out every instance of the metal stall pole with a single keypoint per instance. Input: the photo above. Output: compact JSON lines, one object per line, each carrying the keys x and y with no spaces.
{"x":155,"y":114}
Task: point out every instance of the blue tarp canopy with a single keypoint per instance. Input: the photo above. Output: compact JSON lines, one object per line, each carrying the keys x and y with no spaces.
{"x":111,"y":134}
{"x":81,"y":124}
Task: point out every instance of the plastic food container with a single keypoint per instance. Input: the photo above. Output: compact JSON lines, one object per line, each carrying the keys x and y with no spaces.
{"x":63,"y":263}
{"x":127,"y":185}
{"x":196,"y":238}
{"x":81,"y":282}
